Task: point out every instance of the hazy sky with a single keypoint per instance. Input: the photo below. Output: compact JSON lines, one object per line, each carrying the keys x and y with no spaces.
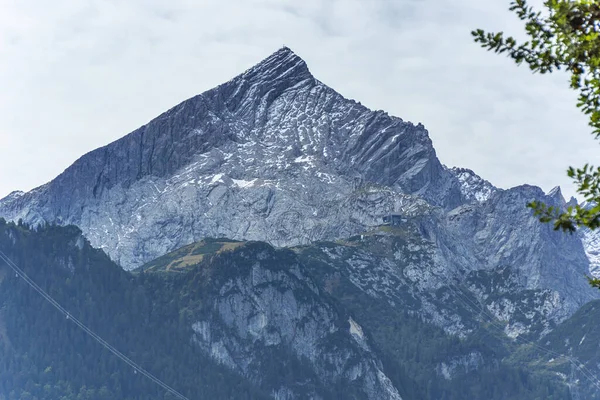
{"x":78,"y":74}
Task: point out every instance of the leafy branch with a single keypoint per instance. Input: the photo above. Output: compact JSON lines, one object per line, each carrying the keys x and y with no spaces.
{"x":565,"y":37}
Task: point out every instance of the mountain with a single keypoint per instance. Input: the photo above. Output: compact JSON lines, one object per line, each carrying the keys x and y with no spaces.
{"x":368,"y":227}
{"x":272,"y":155}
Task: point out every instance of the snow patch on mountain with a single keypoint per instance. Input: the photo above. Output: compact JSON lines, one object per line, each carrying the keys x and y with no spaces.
{"x":473,"y":187}
{"x":591,"y":245}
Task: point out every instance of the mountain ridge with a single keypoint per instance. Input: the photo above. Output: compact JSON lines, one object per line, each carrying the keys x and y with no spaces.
{"x":276,"y":158}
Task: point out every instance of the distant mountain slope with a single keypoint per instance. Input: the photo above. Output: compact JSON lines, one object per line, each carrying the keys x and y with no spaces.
{"x":370,"y":317}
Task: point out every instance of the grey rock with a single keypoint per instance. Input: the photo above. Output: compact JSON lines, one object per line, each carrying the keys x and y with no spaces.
{"x":473,"y":187}
{"x":503,"y":232}
{"x":268,"y":306}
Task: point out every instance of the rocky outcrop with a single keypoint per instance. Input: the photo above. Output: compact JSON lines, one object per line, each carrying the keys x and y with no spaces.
{"x":473,"y":187}
{"x":502,"y":232}
{"x":262,"y":311}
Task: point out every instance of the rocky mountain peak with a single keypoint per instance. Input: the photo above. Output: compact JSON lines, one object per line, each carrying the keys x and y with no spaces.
{"x":283,"y":63}
{"x":556,"y":194}
{"x":271,"y":155}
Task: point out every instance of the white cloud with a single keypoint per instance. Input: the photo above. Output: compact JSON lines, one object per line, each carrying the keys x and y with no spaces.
{"x":78,"y":74}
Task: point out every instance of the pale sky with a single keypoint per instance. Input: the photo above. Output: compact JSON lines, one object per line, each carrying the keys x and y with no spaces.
{"x":78,"y":74}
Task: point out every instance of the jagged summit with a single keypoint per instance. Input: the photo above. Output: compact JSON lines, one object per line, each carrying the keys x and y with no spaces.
{"x":558,"y":198}
{"x":284,"y":62}
{"x":265,"y":81}
{"x":556,"y":192}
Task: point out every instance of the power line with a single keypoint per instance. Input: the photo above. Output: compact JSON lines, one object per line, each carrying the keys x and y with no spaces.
{"x":136,"y":367}
{"x":573,"y":381}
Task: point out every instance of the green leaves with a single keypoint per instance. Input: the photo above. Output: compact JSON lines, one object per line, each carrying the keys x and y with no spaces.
{"x":594,"y":282}
{"x":588,"y":215}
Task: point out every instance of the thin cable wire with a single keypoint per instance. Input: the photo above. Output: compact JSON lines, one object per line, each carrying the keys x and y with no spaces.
{"x":136,"y":367}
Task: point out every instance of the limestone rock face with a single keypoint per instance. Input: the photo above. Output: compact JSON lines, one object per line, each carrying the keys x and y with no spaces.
{"x":501,"y":232}
{"x":261,"y":309}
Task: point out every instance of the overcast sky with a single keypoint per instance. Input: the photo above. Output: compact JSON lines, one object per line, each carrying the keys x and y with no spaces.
{"x":78,"y":74}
